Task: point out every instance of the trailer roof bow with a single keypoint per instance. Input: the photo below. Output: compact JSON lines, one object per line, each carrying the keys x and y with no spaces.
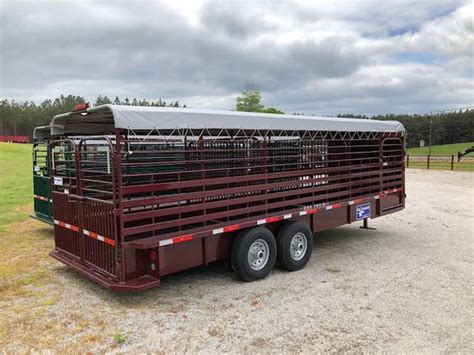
{"x":104,"y":118}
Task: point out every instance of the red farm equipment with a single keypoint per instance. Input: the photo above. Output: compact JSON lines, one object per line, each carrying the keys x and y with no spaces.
{"x":143,"y":192}
{"x":15,"y":139}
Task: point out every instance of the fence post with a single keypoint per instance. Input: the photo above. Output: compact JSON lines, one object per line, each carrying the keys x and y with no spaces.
{"x":428,"y":162}
{"x":452,"y":162}
{"x":408,"y":160}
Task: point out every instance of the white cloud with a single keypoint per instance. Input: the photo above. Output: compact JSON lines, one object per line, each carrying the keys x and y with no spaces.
{"x":317,"y":57}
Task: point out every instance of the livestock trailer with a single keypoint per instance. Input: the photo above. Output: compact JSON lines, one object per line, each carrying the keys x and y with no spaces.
{"x":143,"y":192}
{"x":41,"y":178}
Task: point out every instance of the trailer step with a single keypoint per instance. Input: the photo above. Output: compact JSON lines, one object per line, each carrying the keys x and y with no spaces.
{"x":138,"y":284}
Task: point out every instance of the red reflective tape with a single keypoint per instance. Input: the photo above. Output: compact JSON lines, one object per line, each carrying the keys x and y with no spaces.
{"x":232,"y":228}
{"x":67,"y":225}
{"x":337,"y":205}
{"x":272,"y":219}
{"x":358,"y":200}
{"x":183,"y":238}
{"x":313,"y":210}
{"x":99,"y":237}
{"x":109,"y":241}
{"x":382,"y":195}
{"x":42,"y":198}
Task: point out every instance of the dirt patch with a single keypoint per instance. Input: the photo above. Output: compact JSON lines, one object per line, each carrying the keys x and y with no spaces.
{"x":405,"y":287}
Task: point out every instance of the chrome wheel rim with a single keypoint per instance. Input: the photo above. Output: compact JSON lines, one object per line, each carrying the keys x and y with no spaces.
{"x":258,"y":255}
{"x":298,"y":246}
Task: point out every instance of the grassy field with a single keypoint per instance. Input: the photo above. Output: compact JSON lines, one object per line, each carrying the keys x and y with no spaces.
{"x":441,"y":157}
{"x":20,"y":265}
{"x":445,"y":164}
{"x":445,"y":149}
{"x":16,"y":182}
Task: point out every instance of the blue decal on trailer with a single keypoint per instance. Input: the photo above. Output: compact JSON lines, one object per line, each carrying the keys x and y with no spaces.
{"x":363,"y":211}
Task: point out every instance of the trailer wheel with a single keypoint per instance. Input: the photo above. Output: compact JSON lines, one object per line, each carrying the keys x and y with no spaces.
{"x":295,"y":245}
{"x":253,"y":254}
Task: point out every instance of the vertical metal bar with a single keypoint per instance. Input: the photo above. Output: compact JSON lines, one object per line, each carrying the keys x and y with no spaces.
{"x":452,"y":162}
{"x":428,"y":162}
{"x":381,"y":139}
{"x":117,"y":185}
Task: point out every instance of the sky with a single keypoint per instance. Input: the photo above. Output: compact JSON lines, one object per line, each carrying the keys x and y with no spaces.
{"x":314,"y":57}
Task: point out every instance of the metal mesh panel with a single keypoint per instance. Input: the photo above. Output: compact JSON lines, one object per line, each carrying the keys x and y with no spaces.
{"x":175,"y":183}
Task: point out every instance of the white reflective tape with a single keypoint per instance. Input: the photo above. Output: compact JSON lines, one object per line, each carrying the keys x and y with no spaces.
{"x":101,"y":238}
{"x":261,"y":221}
{"x":302,"y":213}
{"x":329,"y":207}
{"x":286,"y":216}
{"x":166,"y":242}
{"x":385,"y":164}
{"x":351,"y":202}
{"x":218,"y":231}
{"x":377,"y":197}
{"x":56,"y":222}
{"x":86,"y":232}
{"x":67,"y":225}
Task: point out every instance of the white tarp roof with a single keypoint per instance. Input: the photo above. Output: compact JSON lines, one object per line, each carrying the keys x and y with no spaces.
{"x":41,"y":133}
{"x":167,"y":118}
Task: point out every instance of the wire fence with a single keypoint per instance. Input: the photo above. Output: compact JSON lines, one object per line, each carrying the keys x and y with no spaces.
{"x":441,"y":162}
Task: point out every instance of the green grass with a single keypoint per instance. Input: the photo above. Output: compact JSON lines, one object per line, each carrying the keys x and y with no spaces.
{"x":445,"y":149}
{"x":119,"y":338}
{"x":442,"y":165}
{"x":16,"y":182}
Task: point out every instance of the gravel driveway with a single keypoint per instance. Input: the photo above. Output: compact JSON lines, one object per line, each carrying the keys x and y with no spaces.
{"x":404,"y":287}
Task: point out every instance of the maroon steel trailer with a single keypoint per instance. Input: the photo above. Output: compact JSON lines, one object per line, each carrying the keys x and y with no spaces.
{"x":143,"y":192}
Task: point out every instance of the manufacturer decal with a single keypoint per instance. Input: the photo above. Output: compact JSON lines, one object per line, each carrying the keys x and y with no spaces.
{"x":58,"y":180}
{"x":363,"y":211}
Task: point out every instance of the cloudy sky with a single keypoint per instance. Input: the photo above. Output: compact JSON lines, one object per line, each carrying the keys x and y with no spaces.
{"x":322,"y":57}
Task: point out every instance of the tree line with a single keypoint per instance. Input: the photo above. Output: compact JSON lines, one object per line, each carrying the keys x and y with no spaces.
{"x":19,"y":118}
{"x":446,"y":127}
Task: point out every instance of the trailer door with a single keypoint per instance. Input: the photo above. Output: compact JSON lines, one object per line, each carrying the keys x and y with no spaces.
{"x":41,"y":183}
{"x":83,"y":204}
{"x":393,"y":173}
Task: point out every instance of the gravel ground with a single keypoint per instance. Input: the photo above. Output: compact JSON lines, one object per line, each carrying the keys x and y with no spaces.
{"x":405,"y":287}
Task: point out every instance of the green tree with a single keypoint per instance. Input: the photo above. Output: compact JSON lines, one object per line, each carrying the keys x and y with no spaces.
{"x":272,"y":110}
{"x":250,"y":101}
{"x":102,"y":100}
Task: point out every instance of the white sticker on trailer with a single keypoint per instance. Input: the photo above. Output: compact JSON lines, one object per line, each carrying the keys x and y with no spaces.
{"x":58,"y":180}
{"x":37,"y":168}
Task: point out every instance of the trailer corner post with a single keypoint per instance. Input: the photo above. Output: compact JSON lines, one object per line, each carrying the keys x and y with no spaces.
{"x":428,"y":161}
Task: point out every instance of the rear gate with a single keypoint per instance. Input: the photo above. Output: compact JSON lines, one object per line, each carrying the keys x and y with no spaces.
{"x":84,"y":226}
{"x":41,"y":181}
{"x":393,"y":173}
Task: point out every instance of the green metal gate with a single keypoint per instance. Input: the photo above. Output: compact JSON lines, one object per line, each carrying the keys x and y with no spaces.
{"x":42,"y":184}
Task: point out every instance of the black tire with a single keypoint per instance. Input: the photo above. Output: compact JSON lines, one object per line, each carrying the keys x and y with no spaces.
{"x":260,"y":239}
{"x":300,"y":256}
